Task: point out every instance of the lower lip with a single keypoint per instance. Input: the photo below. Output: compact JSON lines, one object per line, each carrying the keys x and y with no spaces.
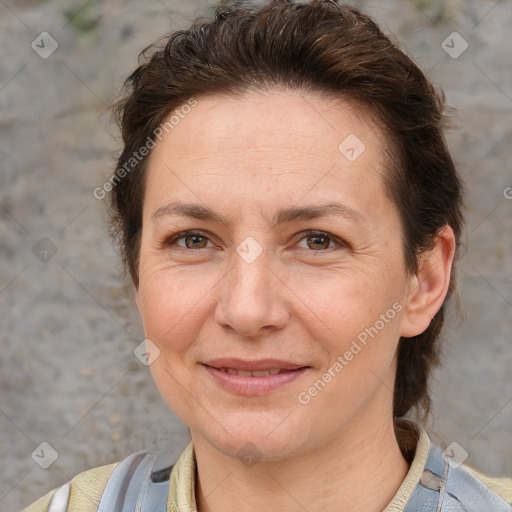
{"x":253,"y":386}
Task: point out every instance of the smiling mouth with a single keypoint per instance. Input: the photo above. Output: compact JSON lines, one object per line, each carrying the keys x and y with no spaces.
{"x":253,"y":378}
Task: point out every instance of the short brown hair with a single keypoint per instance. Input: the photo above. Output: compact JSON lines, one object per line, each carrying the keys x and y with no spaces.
{"x":318,"y":47}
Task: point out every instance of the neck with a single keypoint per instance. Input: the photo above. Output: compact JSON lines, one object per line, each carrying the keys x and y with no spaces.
{"x":360,"y":471}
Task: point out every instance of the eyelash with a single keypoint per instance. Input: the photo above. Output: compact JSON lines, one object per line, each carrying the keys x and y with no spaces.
{"x":306,"y":234}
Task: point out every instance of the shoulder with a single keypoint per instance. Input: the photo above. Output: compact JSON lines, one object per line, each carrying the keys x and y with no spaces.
{"x":501,"y":486}
{"x":104,"y":486}
{"x":83,"y":491}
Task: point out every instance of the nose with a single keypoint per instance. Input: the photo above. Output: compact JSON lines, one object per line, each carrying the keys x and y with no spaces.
{"x":252,"y":298}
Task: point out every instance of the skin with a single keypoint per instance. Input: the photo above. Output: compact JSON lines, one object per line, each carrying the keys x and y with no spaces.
{"x":304,"y":299}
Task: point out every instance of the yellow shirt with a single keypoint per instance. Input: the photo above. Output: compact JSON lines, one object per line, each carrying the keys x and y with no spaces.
{"x":87,"y":487}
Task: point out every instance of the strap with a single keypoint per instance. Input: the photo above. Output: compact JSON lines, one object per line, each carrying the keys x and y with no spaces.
{"x":135,"y":486}
{"x":155,"y":499}
{"x":445,"y":488}
{"x":131,"y":489}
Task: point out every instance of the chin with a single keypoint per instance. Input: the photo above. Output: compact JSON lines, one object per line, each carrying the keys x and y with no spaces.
{"x":250,"y":450}
{"x":251,"y":436}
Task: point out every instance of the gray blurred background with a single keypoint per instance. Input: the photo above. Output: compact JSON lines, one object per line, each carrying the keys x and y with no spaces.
{"x":68,"y":375}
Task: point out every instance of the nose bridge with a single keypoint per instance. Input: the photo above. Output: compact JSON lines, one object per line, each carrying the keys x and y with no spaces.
{"x":250,"y":300}
{"x":249,"y":281}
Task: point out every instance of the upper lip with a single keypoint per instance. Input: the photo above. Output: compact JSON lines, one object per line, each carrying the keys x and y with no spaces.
{"x":253,"y":366}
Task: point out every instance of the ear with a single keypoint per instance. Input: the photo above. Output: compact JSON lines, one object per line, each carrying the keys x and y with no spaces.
{"x":428,"y":288}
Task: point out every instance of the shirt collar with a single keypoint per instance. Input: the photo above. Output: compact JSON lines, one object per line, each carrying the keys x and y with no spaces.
{"x":182,"y":483}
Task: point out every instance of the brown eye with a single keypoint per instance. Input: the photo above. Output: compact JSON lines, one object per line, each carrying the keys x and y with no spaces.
{"x":193,"y":240}
{"x":319,"y":241}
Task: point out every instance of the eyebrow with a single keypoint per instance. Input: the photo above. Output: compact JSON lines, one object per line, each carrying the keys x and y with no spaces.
{"x":284,"y":215}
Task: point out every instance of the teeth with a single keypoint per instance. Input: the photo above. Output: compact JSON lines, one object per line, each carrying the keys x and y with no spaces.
{"x":260,"y":373}
{"x":245,"y":373}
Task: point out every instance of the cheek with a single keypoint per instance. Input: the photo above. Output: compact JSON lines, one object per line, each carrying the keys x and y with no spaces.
{"x":354,"y":316}
{"x":346,"y":300}
{"x":171,"y":302}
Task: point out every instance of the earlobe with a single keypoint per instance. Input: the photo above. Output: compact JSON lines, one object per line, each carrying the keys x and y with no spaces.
{"x":428,"y":288}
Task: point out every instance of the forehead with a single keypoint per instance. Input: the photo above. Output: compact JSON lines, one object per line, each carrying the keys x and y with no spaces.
{"x":279,"y":117}
{"x":277,"y":145}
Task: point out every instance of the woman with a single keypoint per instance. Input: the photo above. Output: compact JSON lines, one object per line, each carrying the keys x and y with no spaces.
{"x":290,"y":217}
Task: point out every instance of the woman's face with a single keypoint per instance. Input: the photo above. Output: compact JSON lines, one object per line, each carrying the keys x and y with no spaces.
{"x":249,"y":287}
